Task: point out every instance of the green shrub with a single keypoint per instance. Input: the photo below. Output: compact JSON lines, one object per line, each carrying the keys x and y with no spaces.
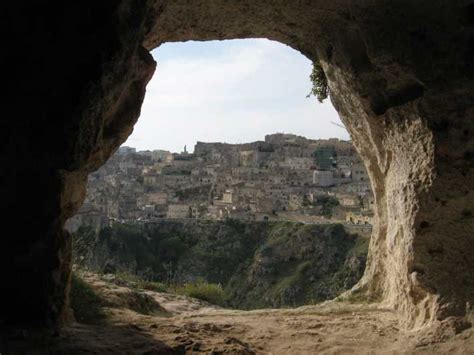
{"x":152,"y":286}
{"x":128,"y":278}
{"x":266,"y":250}
{"x":236,"y":224}
{"x":135,"y":281}
{"x":83,"y":242}
{"x":212,"y":293}
{"x":85,"y":303}
{"x":327,"y":203}
{"x":361,"y":247}
{"x":319,"y":81}
{"x":172,"y":248}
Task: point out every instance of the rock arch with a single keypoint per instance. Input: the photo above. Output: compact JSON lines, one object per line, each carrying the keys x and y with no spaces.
{"x":400,"y":76}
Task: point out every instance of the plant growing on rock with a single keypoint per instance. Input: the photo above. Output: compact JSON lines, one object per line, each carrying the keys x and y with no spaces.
{"x":320,"y":83}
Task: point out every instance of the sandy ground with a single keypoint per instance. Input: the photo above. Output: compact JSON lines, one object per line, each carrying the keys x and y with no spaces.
{"x":190,"y":326}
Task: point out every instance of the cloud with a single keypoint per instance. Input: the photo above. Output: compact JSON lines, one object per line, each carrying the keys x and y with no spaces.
{"x":230,"y":91}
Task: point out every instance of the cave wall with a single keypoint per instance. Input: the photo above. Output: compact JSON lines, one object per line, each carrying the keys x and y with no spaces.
{"x":76,"y":77}
{"x":401,"y":78}
{"x":415,"y":133}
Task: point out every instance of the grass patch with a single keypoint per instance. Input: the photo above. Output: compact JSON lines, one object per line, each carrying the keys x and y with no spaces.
{"x":85,"y":303}
{"x":360,"y":247}
{"x":134,"y":281}
{"x":153,"y":286}
{"x":212,"y":293}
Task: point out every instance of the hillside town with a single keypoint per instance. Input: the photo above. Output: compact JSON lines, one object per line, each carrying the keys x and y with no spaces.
{"x":283,"y":178}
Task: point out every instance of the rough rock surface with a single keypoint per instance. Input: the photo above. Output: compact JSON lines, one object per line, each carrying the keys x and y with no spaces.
{"x":190,"y":326}
{"x":401,"y":77}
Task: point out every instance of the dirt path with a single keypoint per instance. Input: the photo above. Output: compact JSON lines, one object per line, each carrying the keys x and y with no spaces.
{"x":191,"y":326}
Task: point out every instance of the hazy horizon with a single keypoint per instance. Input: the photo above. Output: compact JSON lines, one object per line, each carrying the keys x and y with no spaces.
{"x":233,"y":91}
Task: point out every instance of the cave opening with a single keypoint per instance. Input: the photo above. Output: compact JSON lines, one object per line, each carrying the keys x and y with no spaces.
{"x":400,"y":77}
{"x":273,"y":170}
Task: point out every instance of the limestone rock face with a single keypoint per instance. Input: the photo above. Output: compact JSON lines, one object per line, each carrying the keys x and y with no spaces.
{"x":78,"y":77}
{"x":401,"y":77}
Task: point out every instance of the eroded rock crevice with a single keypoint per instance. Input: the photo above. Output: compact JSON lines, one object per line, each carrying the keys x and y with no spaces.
{"x":400,"y":76}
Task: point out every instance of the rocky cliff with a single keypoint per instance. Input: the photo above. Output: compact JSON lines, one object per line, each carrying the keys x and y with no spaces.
{"x":258,"y":264}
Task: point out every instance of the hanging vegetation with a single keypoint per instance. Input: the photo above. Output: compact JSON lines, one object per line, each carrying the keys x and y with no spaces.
{"x":320,"y":82}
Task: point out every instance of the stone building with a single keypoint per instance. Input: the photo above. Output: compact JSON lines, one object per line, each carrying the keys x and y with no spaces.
{"x":150,"y":179}
{"x":227,"y":196}
{"x":157,"y":198}
{"x":323,"y":178}
{"x":358,"y":171}
{"x":126,"y":150}
{"x":246,"y":181}
{"x":179,"y":211}
{"x":359,"y":217}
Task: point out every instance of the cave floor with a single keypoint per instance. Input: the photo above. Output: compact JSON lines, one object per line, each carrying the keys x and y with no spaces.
{"x":307,"y":330}
{"x":190,"y":326}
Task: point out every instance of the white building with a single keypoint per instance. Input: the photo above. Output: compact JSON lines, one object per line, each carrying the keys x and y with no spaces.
{"x":359,"y":218}
{"x":150,"y":179}
{"x":149,"y":210}
{"x":323,"y":178}
{"x":126,"y":150}
{"x":358,"y":172}
{"x":157,"y":198}
{"x":178,"y":211}
{"x":348,"y":200}
{"x":227,"y":196}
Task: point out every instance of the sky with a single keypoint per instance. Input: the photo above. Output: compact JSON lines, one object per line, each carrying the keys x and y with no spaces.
{"x":233,"y":91}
